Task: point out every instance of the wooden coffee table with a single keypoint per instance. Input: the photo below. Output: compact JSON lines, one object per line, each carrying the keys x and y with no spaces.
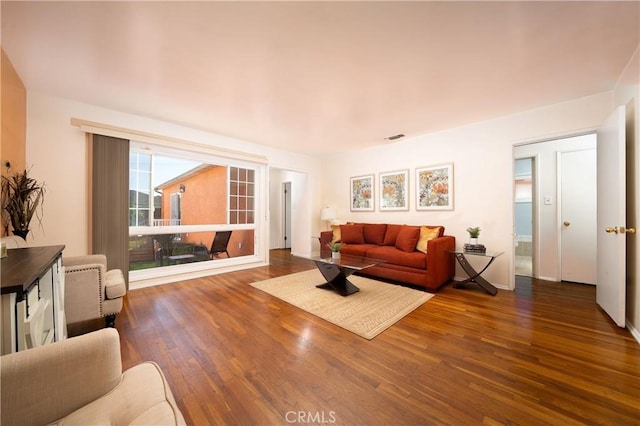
{"x":337,"y":271}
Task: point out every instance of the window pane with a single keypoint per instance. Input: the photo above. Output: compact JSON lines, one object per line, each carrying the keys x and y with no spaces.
{"x":155,"y":251}
{"x":143,"y":218}
{"x":202,"y":189}
{"x":144,"y":162}
{"x":241,"y":195}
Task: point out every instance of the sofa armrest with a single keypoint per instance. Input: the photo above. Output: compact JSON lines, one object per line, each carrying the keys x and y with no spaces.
{"x":325,"y":238}
{"x":46,"y":383}
{"x":114,"y":284}
{"x":439,"y":253}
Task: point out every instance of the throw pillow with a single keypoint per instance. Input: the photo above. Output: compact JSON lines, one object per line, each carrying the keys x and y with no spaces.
{"x":374,"y":233}
{"x":352,"y":234}
{"x":336,"y":233}
{"x":408,"y":238}
{"x":427,"y":233}
{"x":391,"y":235}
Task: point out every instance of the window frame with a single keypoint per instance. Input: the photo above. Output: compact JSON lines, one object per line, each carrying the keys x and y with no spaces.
{"x":259,"y":206}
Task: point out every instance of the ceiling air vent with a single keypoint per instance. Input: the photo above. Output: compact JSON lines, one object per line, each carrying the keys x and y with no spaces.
{"x":395,"y":137}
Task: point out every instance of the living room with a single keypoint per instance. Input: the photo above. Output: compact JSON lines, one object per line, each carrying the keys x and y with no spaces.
{"x":481,"y":152}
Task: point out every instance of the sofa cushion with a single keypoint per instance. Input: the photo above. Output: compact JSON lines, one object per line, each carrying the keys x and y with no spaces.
{"x":428,"y":233}
{"x":408,"y":238}
{"x":352,"y":234}
{"x":391,"y":235}
{"x":358,"y":249}
{"x":374,"y":233}
{"x":398,"y":257}
{"x":336,"y":233}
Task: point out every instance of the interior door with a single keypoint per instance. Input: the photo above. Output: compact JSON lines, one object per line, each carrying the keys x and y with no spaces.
{"x":610,"y":290}
{"x":578,"y":246}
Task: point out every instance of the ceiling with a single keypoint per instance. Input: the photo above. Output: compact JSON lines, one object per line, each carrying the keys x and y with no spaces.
{"x":320,"y":77}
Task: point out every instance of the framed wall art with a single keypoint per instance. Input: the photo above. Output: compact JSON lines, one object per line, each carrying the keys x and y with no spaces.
{"x":362,"y":193}
{"x":394,"y":191}
{"x":434,"y":187}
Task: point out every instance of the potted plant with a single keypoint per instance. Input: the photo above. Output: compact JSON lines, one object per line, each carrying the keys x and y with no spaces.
{"x":21,"y":197}
{"x":335,"y":249}
{"x":474,"y":233}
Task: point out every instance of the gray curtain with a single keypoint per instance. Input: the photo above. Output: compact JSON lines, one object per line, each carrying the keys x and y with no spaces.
{"x":110,"y":201}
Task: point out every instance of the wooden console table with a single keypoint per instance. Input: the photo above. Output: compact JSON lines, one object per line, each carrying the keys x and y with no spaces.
{"x":32,"y":302}
{"x":474,"y":276}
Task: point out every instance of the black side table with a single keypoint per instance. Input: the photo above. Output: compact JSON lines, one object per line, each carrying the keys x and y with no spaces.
{"x":474,"y":276}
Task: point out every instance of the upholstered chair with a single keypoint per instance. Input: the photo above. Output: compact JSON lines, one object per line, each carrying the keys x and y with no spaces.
{"x":91,"y":291}
{"x":79,"y":381}
{"x":13,"y":241}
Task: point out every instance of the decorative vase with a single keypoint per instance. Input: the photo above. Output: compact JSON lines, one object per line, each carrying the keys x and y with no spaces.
{"x":335,"y":255}
{"x":22,"y":233}
{"x":473,"y":241}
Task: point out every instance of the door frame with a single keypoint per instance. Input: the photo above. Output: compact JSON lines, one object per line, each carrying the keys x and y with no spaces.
{"x":287,"y":214}
{"x":534,"y":213}
{"x":536,"y":193}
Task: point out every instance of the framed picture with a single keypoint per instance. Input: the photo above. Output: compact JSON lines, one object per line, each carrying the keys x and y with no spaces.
{"x":434,"y":187}
{"x":394,"y":191}
{"x":362,"y":193}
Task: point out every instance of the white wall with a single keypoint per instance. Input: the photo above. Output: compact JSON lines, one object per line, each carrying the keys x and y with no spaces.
{"x":482,"y":155}
{"x":627,"y":92}
{"x":57,"y":155}
{"x":545,"y":165}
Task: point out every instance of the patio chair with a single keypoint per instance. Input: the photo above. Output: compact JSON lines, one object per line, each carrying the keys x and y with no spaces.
{"x":220,"y":243}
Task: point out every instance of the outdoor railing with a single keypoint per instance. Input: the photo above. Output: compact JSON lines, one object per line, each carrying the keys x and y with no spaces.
{"x":166,"y":222}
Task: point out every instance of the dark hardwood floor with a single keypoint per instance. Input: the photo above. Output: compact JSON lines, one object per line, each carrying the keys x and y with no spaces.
{"x":543,"y":354}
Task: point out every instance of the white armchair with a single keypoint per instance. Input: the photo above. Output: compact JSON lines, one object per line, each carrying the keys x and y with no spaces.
{"x":80,"y":381}
{"x":90,"y":290}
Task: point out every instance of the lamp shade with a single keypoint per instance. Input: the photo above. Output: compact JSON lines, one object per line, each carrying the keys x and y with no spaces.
{"x":328,"y":213}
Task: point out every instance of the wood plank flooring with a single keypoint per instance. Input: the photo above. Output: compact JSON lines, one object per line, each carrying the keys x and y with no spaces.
{"x":543,"y":354}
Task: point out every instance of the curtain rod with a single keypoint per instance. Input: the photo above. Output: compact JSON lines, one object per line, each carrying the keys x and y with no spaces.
{"x":164,"y":141}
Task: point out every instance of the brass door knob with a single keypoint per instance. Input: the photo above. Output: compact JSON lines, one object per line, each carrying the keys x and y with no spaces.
{"x":566,"y":223}
{"x":621,"y":230}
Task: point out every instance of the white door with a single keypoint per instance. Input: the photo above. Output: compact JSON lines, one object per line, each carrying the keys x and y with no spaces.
{"x":610,"y":290}
{"x":578,"y":241}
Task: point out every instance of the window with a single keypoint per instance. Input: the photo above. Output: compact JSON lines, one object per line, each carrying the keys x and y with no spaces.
{"x":139,"y":189}
{"x":241,"y":195}
{"x":177,"y":204}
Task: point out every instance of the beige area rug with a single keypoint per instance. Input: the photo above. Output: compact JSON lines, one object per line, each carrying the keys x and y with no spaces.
{"x":367,"y":313}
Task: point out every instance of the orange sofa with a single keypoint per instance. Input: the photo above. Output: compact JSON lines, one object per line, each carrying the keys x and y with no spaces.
{"x":416,"y":255}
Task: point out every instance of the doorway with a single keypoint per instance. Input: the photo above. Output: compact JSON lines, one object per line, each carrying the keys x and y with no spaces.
{"x":523,"y":213}
{"x":286,"y":209}
{"x":545,"y":190}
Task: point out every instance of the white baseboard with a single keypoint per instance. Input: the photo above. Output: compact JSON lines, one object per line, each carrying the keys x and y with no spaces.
{"x":634,"y":332}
